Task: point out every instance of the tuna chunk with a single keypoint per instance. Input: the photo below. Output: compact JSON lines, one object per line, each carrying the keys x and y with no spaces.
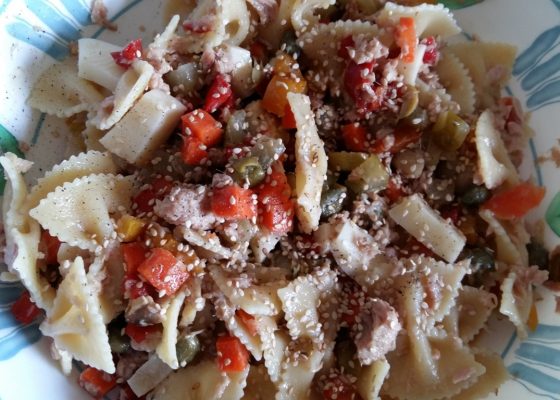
{"x":376,"y":330}
{"x":187,"y":206}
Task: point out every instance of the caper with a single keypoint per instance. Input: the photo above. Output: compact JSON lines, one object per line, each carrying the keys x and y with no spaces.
{"x":450,"y":131}
{"x":248,"y":170}
{"x":187,"y":348}
{"x":118,"y":342}
{"x":538,"y":254}
{"x":475,"y":196}
{"x":332,"y":200}
{"x":482,"y":262}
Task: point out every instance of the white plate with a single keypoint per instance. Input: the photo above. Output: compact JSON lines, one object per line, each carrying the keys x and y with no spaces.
{"x":34,"y":33}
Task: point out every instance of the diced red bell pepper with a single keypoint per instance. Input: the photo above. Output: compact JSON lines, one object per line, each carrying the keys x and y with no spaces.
{"x":97,"y":383}
{"x":218,"y":94}
{"x":345,"y":43}
{"x":163,"y":271}
{"x":402,"y":137}
{"x":355,"y":137}
{"x":145,"y":200}
{"x":193,"y":151}
{"x":393,"y":191}
{"x":49,"y":246}
{"x":516,"y":201}
{"x":276,"y":209}
{"x":233,"y":202}
{"x":288,"y":120}
{"x":131,"y":52}
{"x":202,"y":126}
{"x":134,"y":255}
{"x":232,"y":354}
{"x":248,"y":320}
{"x":406,"y":38}
{"x":24,"y":310}
{"x":140,"y":333}
{"x":359,"y":83}
{"x":452,"y":213}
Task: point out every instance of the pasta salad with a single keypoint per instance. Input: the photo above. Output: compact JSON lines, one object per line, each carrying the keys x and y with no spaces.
{"x":281,"y":200}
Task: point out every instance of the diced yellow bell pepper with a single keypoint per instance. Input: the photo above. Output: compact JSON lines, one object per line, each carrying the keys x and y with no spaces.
{"x":129,"y":228}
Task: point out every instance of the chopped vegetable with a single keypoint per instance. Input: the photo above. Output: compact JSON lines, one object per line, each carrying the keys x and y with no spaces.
{"x":248,"y":320}
{"x":144,"y":201}
{"x":268,"y":150}
{"x":202,"y":126}
{"x":163,"y":271}
{"x":236,"y":131}
{"x":404,"y":135}
{"x":287,"y":78}
{"x":49,"y":246}
{"x":134,"y":255}
{"x":97,"y":383}
{"x":332,"y":200}
{"x":450,"y":131}
{"x":393,"y":191}
{"x":419,"y":119}
{"x":410,"y":102}
{"x":345,"y":161}
{"x":187,"y":347}
{"x":407,"y":39}
{"x":276,"y":209}
{"x":219,"y":93}
{"x":288,"y":120}
{"x":358,"y":83}
{"x":370,"y":175}
{"x":131,"y":52}
{"x":355,"y":137}
{"x":233,"y":202}
{"x":129,"y":228}
{"x":185,"y":79}
{"x":516,"y":201}
{"x":24,"y":309}
{"x":248,"y":170}
{"x":193,"y":151}
{"x":140,"y":333}
{"x":232,"y":354}
{"x":475,"y":195}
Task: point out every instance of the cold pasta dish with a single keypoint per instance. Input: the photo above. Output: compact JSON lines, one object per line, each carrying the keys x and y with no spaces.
{"x":281,"y":200}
